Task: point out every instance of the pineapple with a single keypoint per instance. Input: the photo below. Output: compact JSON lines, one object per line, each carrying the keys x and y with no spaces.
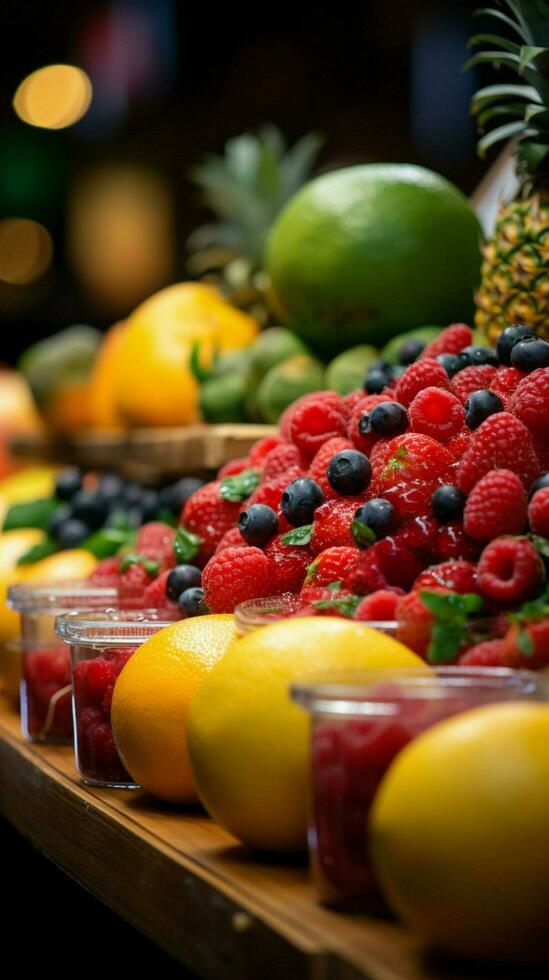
{"x":514,"y":284}
{"x":246,"y":188}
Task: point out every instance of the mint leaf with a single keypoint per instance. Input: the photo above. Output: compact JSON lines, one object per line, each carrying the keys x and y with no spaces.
{"x":33,"y":513}
{"x":186,"y":546}
{"x":446,"y":640}
{"x":347,"y":605}
{"x":299,"y":535}
{"x":238,"y":488}
{"x":334,"y":586}
{"x":525,"y":643}
{"x":38,"y":551}
{"x":151,"y":567}
{"x":451,"y":606}
{"x":108,"y":541}
{"x":363,"y":535}
{"x":541,"y":545}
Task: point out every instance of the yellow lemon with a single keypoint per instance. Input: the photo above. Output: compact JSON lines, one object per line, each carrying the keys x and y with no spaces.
{"x":152,"y":697}
{"x":459,"y":833}
{"x":249,"y":743}
{"x":13,"y":544}
{"x":28,"y":484}
{"x":74,"y":563}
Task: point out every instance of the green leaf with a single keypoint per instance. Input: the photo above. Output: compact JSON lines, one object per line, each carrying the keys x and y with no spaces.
{"x":451,"y":606}
{"x":492,"y":93}
{"x":494,"y":58}
{"x":151,"y":567}
{"x":38,"y":551}
{"x":541,"y":545}
{"x":496,"y":40}
{"x":347,"y":605}
{"x":186,"y":546}
{"x":298,"y":535}
{"x":516,"y":109}
{"x":446,"y":639}
{"x":528,"y":54}
{"x":334,"y":586}
{"x":108,"y":541}
{"x":200,"y":373}
{"x":34,"y":513}
{"x":500,"y":133}
{"x":240,"y":487}
{"x":311,"y":569}
{"x":525,"y":643}
{"x":363,"y":535}
{"x":499,"y":15}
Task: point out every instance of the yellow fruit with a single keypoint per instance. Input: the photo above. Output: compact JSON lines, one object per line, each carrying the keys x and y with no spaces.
{"x":249,"y":743}
{"x":74,"y":563}
{"x":103,"y":411}
{"x":151,"y":702}
{"x":28,"y":484}
{"x":459,"y":833}
{"x":154,"y":385}
{"x":13,"y":544}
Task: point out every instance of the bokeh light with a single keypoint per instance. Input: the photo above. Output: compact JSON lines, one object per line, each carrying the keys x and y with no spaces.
{"x":53,"y":97}
{"x":26,"y":251}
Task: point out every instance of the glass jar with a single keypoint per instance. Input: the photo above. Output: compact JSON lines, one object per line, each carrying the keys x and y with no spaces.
{"x":46,"y":714}
{"x":10,"y":669}
{"x":101,"y":643}
{"x":254,"y":613}
{"x":360,"y":722}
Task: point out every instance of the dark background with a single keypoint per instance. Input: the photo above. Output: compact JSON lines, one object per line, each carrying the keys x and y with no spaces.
{"x":381,"y":81}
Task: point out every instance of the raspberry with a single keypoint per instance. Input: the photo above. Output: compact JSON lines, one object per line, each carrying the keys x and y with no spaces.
{"x":407,"y":469}
{"x":270,"y":493}
{"x":414,"y":622}
{"x":288,"y":566}
{"x":452,"y":340}
{"x":154,"y":596}
{"x":471,"y":379}
{"x":351,"y":400}
{"x":313,"y":419}
{"x":530,"y":403}
{"x":363,"y":407}
{"x":437,"y":413}
{"x":457,"y":445}
{"x":533,"y":636}
{"x":383,"y":566}
{"x":279,"y":460}
{"x":155,"y":540}
{"x":541,"y":449}
{"x":234,"y":575}
{"x":106,"y":573}
{"x":133,"y":582}
{"x":331,"y":565}
{"x":332,"y":525}
{"x":313,"y":593}
{"x":262,"y":448}
{"x":496,"y":505}
{"x":319,"y":465}
{"x":459,"y":576}
{"x":453,"y":543}
{"x":231,"y":539}
{"x":538,"y":512}
{"x":486,"y":654}
{"x":426,"y":373}
{"x":506,"y":382}
{"x":208,"y":516}
{"x":502,"y":442}
{"x":509,"y":571}
{"x":233,"y":467}
{"x":378,"y":607}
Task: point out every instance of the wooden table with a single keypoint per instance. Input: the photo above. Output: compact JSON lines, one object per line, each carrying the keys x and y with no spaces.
{"x":189,"y":886}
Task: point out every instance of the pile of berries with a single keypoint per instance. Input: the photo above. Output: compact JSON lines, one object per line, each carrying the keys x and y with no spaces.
{"x":423,"y":498}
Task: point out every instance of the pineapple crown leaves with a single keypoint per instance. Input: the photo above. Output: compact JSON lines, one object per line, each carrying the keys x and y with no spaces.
{"x":524,"y":106}
{"x":248,"y":185}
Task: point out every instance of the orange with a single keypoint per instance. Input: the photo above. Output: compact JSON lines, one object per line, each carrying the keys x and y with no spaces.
{"x":154,"y":385}
{"x":248,"y":742}
{"x":103,"y":411}
{"x":458,"y":833}
{"x":151,"y":702}
{"x":67,"y":408}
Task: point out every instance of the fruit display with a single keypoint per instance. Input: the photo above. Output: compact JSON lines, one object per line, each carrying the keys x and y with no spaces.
{"x":18,"y":415}
{"x":513,"y":286}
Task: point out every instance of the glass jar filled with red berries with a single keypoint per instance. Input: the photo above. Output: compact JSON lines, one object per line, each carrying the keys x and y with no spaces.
{"x":360,"y":722}
{"x":46,"y":714}
{"x":100,"y":644}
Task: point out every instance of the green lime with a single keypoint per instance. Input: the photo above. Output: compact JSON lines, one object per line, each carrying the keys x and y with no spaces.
{"x":391,"y":351}
{"x":346,"y":372}
{"x":296,"y":376}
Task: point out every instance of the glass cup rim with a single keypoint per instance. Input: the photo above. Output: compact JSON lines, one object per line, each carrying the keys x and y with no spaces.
{"x":349,"y":692}
{"x":111,"y":627}
{"x":60,"y":594}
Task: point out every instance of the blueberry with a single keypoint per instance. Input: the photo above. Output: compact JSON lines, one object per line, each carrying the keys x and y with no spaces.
{"x":191,"y":602}
{"x":375,"y":381}
{"x":150,"y":504}
{"x":110,"y":487}
{"x":349,"y":472}
{"x":448,"y":502}
{"x":181,"y":578}
{"x":388,"y":419}
{"x":132,"y":494}
{"x":72,"y":533}
{"x":508,"y":339}
{"x":90,"y":508}
{"x":378,"y":515}
{"x":258,"y":524}
{"x":68,"y":483}
{"x":530,"y":353}
{"x":410,"y":351}
{"x":541,"y":482}
{"x":175,"y":497}
{"x":58,"y":519}
{"x":452,"y":363}
{"x":300,"y":500}
{"x":477,"y":355}
{"x":395,"y":371}
{"x":480,"y":405}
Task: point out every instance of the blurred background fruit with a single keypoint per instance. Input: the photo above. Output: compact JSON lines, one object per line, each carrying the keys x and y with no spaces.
{"x":13,"y":544}
{"x":151,"y":702}
{"x":102,"y":406}
{"x":17,"y":414}
{"x":32,"y":483}
{"x":365,"y":252}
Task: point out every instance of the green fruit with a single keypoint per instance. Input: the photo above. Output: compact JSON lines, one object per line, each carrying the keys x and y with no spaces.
{"x":234,"y":360}
{"x":64,"y":358}
{"x":363,"y":253}
{"x":391,"y":351}
{"x":272,"y":347}
{"x":296,"y":376}
{"x":347,"y":370}
{"x":224,"y":399}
